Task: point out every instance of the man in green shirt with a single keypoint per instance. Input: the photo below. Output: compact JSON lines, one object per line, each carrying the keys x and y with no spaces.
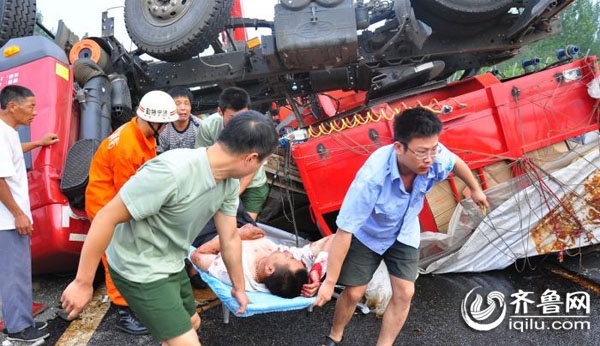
{"x":156,"y":216}
{"x":253,"y":188}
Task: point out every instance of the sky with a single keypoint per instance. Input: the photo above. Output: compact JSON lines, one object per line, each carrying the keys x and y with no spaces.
{"x":85,"y":16}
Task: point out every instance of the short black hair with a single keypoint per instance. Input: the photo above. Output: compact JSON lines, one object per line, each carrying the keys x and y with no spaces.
{"x":250,"y":131}
{"x":14,"y":93}
{"x":416,"y":123}
{"x":285,"y":283}
{"x":234,"y":98}
{"x":180,"y":91}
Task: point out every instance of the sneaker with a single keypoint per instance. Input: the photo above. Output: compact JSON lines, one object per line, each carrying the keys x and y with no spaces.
{"x":128,"y":323}
{"x":38,"y":326}
{"x":29,"y":334}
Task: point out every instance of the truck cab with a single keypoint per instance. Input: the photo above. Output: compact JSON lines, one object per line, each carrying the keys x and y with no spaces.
{"x":59,"y":230}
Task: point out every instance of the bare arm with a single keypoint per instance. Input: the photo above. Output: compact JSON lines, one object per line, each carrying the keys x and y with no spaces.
{"x":231,"y":251}
{"x":462,"y":171}
{"x":320,"y":249}
{"x":22,"y":222}
{"x":79,"y":292}
{"x":212,"y":246}
{"x":47,"y":139}
{"x":247,"y":232}
{"x":321,"y":245}
{"x":202,"y":260}
{"x":337,"y":253}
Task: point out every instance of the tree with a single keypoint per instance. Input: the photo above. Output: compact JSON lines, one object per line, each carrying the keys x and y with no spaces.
{"x":580,"y":26}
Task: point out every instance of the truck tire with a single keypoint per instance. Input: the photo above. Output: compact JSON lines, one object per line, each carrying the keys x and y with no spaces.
{"x":456,"y":18}
{"x":17,"y":19}
{"x":175,"y":30}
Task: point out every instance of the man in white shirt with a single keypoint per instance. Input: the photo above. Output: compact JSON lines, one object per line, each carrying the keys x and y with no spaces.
{"x":18,"y":108}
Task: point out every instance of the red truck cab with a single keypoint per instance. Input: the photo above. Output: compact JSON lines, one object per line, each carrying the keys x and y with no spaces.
{"x":58,"y":230}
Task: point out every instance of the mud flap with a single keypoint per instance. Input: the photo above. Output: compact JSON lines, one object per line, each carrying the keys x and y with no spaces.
{"x":76,"y":173}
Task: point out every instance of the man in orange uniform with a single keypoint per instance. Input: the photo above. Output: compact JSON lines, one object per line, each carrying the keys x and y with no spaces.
{"x":117,"y":159}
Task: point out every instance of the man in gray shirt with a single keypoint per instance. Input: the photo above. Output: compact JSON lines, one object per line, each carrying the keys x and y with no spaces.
{"x":182,"y":132}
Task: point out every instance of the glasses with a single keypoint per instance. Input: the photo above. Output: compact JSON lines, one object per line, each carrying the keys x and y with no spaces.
{"x":423,"y":154}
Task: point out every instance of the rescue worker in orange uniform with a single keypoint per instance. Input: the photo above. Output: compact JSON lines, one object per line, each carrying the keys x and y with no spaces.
{"x":116,"y":160}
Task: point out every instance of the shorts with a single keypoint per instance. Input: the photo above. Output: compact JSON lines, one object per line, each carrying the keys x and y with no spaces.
{"x":361,"y":263}
{"x":164,"y":306}
{"x":254,"y":198}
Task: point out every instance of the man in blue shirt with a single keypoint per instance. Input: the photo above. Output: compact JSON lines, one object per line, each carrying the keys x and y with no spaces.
{"x":378,"y":220}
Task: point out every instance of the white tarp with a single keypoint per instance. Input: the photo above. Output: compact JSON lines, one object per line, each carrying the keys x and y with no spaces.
{"x":512,"y":230}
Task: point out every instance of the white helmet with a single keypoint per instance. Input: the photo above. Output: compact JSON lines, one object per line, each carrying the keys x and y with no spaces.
{"x":157,"y":107}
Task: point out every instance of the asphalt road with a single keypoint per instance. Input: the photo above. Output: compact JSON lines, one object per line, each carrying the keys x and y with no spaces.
{"x":435,"y":317}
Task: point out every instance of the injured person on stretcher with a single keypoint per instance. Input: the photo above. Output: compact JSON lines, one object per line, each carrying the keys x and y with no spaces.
{"x":282,"y":270}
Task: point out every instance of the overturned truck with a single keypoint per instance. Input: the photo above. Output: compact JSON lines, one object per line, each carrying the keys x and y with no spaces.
{"x":331,"y":73}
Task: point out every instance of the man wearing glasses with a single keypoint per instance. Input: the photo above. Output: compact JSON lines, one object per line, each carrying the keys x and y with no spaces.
{"x":378,"y":220}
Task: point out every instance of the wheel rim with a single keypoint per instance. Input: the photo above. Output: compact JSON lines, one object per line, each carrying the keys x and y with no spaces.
{"x":165,"y":12}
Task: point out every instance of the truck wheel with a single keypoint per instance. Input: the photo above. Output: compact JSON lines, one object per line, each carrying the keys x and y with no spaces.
{"x":175,"y":30}
{"x":17,"y":19}
{"x":460,"y":17}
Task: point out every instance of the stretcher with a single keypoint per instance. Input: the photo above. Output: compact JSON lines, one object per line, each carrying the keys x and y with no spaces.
{"x":260,"y":302}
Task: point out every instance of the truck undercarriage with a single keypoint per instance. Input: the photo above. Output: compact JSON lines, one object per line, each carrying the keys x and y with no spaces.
{"x":381,"y":47}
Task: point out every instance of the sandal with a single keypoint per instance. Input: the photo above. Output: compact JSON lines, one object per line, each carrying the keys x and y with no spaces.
{"x":330,"y":342}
